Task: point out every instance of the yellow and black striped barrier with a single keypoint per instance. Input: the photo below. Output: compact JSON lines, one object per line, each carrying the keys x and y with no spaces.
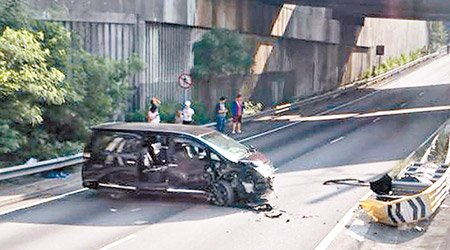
{"x":410,"y":208}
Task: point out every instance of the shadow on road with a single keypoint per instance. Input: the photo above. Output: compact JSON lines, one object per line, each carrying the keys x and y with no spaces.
{"x":92,"y":208}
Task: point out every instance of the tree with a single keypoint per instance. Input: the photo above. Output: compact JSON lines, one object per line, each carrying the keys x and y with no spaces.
{"x":219,"y":53}
{"x":51,"y":89}
{"x":26,"y":82}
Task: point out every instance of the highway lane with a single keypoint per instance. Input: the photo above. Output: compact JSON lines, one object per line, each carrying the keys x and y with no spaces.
{"x":307,"y":154}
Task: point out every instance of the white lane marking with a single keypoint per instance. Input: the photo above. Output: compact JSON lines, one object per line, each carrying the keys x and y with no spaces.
{"x":269,"y":132}
{"x":299,"y":118}
{"x":336,"y":140}
{"x":325,"y":117}
{"x":33,"y":204}
{"x":405,"y":111}
{"x":325,"y":243}
{"x":377,"y":119}
{"x":116,"y":243}
{"x":321,"y":113}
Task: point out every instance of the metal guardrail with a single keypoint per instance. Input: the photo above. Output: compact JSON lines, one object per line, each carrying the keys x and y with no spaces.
{"x":376,"y":79}
{"x":42,"y":166}
{"x":28,"y":169}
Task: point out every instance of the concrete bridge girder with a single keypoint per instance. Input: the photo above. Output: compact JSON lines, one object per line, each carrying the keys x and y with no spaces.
{"x":309,"y":49}
{"x":404,"y":9}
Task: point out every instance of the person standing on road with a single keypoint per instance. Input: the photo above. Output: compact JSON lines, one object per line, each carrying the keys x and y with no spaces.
{"x":221,"y":114}
{"x":188,"y":112}
{"x":153,"y":114}
{"x":237,"y":109}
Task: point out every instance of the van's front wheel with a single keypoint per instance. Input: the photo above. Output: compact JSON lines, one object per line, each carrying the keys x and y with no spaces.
{"x":223,"y":194}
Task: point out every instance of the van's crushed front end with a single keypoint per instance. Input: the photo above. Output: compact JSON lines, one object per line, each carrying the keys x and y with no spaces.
{"x":255,"y":181}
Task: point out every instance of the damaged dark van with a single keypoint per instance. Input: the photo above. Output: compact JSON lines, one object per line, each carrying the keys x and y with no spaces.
{"x":170,"y":158}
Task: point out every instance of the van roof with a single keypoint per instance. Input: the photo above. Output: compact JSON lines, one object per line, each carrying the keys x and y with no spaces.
{"x":149,"y":127}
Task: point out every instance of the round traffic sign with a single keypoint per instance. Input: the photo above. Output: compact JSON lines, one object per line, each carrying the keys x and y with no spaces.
{"x":185,"y":81}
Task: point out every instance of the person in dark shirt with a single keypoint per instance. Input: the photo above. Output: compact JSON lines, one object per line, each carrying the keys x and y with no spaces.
{"x":221,"y":114}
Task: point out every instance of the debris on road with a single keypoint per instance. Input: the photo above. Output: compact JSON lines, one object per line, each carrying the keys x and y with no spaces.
{"x":55,"y":174}
{"x":347,"y":181}
{"x":273,"y":214}
{"x":308,"y":216}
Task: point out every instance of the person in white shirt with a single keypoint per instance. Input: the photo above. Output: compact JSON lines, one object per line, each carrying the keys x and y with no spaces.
{"x":188,"y":112}
{"x":153,"y":114}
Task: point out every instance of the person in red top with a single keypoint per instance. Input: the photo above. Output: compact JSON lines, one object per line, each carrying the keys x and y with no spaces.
{"x":237,"y":109}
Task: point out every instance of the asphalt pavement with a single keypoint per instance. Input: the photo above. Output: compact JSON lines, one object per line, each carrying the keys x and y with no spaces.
{"x":307,"y":153}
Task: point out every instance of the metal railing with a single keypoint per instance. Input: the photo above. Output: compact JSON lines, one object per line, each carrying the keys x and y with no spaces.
{"x":376,"y":79}
{"x":42,"y":166}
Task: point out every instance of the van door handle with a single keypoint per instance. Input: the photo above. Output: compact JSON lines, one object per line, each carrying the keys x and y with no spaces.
{"x":131,"y":162}
{"x":170,"y":165}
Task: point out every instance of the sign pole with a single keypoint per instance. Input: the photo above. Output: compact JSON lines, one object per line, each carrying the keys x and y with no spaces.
{"x":379,"y":53}
{"x":185,"y":82}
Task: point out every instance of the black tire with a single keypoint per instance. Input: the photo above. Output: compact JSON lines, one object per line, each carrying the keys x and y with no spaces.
{"x":223,"y":194}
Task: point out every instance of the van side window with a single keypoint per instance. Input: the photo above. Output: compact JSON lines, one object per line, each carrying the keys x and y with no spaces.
{"x":214,"y":157}
{"x":115,"y":142}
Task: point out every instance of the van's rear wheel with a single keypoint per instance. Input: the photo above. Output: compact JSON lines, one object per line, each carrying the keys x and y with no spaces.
{"x":223,"y":194}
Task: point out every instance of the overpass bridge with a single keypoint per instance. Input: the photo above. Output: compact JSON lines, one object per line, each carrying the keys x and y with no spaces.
{"x":302,"y":47}
{"x":404,"y":9}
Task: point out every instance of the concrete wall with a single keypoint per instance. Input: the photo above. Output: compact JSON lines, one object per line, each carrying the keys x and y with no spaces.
{"x":398,"y":37}
{"x":162,"y":32}
{"x":310,"y":57}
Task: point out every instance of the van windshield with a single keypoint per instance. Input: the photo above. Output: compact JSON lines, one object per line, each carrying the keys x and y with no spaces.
{"x":226,"y":146}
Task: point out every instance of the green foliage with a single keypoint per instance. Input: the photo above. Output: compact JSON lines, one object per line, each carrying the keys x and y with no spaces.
{"x":136,"y":116}
{"x":392,"y":63}
{"x":167,"y":111}
{"x":201,"y":113}
{"x":10,"y":139}
{"x":15,"y":14}
{"x":221,"y":52}
{"x":51,"y":89}
{"x":25,"y":76}
{"x":42,"y":146}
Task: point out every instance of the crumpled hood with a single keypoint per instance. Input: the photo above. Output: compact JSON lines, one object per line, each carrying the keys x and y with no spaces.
{"x":261,"y":163}
{"x":257,"y":156}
